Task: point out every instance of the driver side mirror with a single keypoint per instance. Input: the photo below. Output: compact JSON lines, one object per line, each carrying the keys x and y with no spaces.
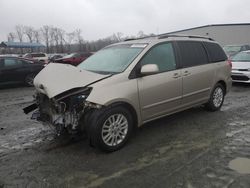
{"x":149,"y":69}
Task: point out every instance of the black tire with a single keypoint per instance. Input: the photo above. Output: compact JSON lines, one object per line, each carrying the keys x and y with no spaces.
{"x":216,"y":99}
{"x":99,"y":118}
{"x":29,"y":79}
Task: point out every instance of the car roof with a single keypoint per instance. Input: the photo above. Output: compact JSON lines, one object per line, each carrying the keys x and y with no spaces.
{"x":13,"y":57}
{"x":160,"y":38}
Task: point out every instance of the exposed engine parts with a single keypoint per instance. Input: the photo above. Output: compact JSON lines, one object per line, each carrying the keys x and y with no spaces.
{"x":61,"y":112}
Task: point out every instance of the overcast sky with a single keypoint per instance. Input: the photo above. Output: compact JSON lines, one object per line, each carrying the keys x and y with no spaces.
{"x":100,"y":18}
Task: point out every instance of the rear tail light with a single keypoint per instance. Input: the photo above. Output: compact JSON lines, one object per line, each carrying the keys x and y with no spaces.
{"x":229,"y":62}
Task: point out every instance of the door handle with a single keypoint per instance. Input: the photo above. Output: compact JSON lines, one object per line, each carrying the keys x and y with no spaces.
{"x":176,"y":75}
{"x":186,"y":73}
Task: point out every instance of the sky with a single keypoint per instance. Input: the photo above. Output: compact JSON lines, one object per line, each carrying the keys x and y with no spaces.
{"x":101,"y":18}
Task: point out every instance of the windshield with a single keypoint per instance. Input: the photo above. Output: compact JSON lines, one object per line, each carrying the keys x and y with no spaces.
{"x":69,"y":56}
{"x":114,"y":59}
{"x":242,"y":56}
{"x":232,"y":48}
{"x":27,"y":56}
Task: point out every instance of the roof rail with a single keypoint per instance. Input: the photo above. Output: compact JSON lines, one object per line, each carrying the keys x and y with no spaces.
{"x":163,"y":36}
{"x":189,"y":36}
{"x":140,"y":38}
{"x":129,"y":39}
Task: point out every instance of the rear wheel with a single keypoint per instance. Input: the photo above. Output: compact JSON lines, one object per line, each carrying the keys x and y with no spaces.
{"x":29,"y":79}
{"x":110,"y":128}
{"x":217,"y":98}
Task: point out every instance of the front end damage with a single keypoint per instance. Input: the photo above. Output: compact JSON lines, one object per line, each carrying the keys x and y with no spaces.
{"x":61,"y":100}
{"x":66,"y":111}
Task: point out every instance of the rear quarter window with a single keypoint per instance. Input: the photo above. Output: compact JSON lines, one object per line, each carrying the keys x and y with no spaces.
{"x":215,"y":52}
{"x":192,"y":53}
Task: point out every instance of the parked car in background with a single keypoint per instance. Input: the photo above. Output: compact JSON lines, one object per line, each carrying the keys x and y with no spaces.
{"x":21,"y":58}
{"x":54,"y":57}
{"x":10,"y":55}
{"x":241,"y":67}
{"x":15,"y":70}
{"x":41,"y":57}
{"x":130,"y":83}
{"x":231,"y":50}
{"x":74,"y":58}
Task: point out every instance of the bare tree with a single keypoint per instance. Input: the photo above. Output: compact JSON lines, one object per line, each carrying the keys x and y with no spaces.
{"x":11,"y":37}
{"x":54,"y":38}
{"x":141,"y":34}
{"x":61,"y":34}
{"x":57,"y":40}
{"x":45,"y":30}
{"x":29,"y":32}
{"x":79,"y":39}
{"x":20,"y":32}
{"x":70,"y":37}
{"x":119,"y":36}
{"x":37,"y":35}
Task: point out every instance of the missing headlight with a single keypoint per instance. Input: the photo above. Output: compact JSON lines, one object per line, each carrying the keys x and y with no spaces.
{"x":80,"y":92}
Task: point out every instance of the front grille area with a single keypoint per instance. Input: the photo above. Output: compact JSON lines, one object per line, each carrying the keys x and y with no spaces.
{"x":240,"y":77}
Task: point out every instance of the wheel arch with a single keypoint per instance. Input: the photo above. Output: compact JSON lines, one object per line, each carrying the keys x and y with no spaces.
{"x":223,"y":83}
{"x":130,"y":108}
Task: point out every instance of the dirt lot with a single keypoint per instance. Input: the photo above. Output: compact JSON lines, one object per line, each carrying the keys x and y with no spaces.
{"x":190,"y":149}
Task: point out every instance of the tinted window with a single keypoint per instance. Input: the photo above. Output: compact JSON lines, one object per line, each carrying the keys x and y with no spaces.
{"x":162,"y":55}
{"x":243,"y":48}
{"x":11,"y":62}
{"x":215,"y":52}
{"x":192,"y":53}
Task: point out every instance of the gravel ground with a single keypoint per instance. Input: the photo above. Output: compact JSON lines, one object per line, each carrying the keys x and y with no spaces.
{"x":190,"y":149}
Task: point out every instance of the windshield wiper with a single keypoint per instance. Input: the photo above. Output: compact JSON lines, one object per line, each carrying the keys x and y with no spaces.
{"x":103,"y":72}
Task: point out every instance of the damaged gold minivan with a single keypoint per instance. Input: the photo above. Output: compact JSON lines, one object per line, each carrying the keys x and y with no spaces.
{"x":130,"y":83}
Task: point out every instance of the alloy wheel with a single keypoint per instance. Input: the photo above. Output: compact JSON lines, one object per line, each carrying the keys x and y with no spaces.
{"x":114,"y":129}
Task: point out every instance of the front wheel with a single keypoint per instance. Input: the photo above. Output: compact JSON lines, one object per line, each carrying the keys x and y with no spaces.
{"x":111,"y":128}
{"x":217,"y":98}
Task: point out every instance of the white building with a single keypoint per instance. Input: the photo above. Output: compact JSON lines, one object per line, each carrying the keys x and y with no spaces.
{"x":225,"y":34}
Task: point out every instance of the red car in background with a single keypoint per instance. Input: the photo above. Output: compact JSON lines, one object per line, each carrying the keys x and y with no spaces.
{"x":73,"y":59}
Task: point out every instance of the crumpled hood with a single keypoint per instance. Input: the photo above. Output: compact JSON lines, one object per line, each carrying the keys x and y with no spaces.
{"x":240,"y":65}
{"x":56,"y":78}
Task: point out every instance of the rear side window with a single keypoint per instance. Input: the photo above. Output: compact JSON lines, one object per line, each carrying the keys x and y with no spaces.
{"x":161,"y":55}
{"x":215,"y":52}
{"x":192,"y":53}
{"x":9,"y":62}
